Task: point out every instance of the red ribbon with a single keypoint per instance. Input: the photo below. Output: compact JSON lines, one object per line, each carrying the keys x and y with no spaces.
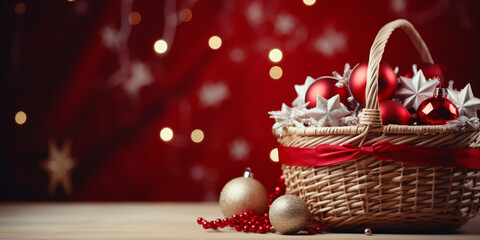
{"x":324,"y":155}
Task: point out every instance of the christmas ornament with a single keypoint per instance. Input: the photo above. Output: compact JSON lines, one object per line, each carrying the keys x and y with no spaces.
{"x":288,"y":116}
{"x":467,"y":104}
{"x":328,"y":112}
{"x":350,"y":120}
{"x":301,"y":90}
{"x":393,"y":113}
{"x":430,"y":71}
{"x":437,"y":110}
{"x":368,"y":231}
{"x":464,"y":122}
{"x":415,"y":90}
{"x":289,"y":214}
{"x":242,"y":194}
{"x":343,"y":80}
{"x":325,"y":87}
{"x":59,"y":166}
{"x":387,"y":82}
{"x":248,"y":221}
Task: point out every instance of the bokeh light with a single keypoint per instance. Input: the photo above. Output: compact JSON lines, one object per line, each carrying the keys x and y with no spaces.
{"x":185,"y":15}
{"x":274,"y":155}
{"x":275,"y":55}
{"x":276,"y":72}
{"x":20,"y":8}
{"x":309,"y":2}
{"x":160,"y":46}
{"x":20,"y":117}
{"x":197,"y":136}
{"x":166,"y":134}
{"x":215,"y":42}
{"x":134,"y":18}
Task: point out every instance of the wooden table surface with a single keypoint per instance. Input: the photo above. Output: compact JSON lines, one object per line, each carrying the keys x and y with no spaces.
{"x":151,"y":221}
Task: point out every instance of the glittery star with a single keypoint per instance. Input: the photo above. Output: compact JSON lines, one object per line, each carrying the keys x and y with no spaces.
{"x":331,"y":42}
{"x":140,"y":76}
{"x":212,"y":94}
{"x":301,"y":91}
{"x":254,"y":13}
{"x":111,"y":37}
{"x":467,"y":104}
{"x":328,"y":112}
{"x":59,"y":166}
{"x":284,"y":23}
{"x":415,"y":90}
{"x":239,"y":149}
{"x":343,"y":80}
{"x":464,"y":122}
{"x":288,"y":116}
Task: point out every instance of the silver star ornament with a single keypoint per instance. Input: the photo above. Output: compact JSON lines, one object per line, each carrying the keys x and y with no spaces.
{"x":288,"y":116}
{"x":467,"y":104}
{"x":59,"y":166}
{"x":343,"y":80}
{"x":328,"y":112}
{"x":301,"y":91}
{"x":415,"y":90}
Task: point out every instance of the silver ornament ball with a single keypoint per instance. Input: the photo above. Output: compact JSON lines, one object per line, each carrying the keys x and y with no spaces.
{"x":289,"y":214}
{"x":242,"y":194}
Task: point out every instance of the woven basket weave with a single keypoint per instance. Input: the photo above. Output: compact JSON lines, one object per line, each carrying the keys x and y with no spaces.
{"x":367,"y":192}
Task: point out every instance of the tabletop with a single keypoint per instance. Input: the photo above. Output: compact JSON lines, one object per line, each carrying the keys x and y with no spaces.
{"x":153,"y":221}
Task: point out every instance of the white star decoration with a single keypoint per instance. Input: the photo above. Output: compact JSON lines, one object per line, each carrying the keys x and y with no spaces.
{"x":111,"y":37}
{"x":331,"y":42}
{"x":350,"y":120}
{"x":415,"y":90}
{"x":467,"y":104}
{"x":239,"y":149}
{"x":59,"y":166}
{"x":212,"y":94}
{"x":464,"y":122}
{"x":301,"y":91}
{"x":284,"y":24}
{"x":289,"y":116}
{"x":343,"y":80}
{"x":254,"y":13}
{"x":328,"y":112}
{"x":140,"y":76}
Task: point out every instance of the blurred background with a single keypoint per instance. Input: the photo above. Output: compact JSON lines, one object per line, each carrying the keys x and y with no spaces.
{"x":168,"y":100}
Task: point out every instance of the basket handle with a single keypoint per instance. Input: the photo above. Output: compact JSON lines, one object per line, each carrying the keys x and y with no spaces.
{"x":371,"y":113}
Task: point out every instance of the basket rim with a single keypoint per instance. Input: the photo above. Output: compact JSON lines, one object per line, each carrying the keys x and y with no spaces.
{"x":359,"y":129}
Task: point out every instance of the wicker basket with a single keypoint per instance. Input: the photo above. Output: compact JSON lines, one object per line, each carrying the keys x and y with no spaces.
{"x":368,"y":192}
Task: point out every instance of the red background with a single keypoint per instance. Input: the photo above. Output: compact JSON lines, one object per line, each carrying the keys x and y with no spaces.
{"x":57,"y":68}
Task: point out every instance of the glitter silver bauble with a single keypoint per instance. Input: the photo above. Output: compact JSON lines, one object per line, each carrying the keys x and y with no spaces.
{"x":242,"y":194}
{"x":289,"y":214}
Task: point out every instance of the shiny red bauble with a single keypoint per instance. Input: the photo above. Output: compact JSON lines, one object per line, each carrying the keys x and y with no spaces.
{"x":393,"y":113}
{"x":325,"y":87}
{"x":437,"y":110}
{"x":430,"y":71}
{"x":387,"y":82}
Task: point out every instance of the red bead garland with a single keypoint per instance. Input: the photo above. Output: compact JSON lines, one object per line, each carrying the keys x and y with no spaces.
{"x":248,"y":221}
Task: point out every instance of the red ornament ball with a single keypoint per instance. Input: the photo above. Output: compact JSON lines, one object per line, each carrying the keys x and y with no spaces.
{"x":325,"y":87}
{"x":431,"y":71}
{"x":393,"y":113}
{"x":387,"y":82}
{"x":437,"y":110}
